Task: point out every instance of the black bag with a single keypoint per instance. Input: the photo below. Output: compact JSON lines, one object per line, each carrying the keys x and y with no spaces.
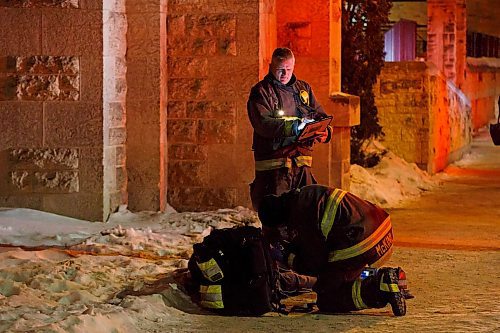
{"x":234,"y":272}
{"x":495,"y":131}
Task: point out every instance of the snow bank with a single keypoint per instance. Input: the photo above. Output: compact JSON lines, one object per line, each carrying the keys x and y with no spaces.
{"x":392,"y":182}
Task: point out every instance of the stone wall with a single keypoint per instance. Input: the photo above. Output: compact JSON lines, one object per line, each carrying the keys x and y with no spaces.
{"x":90,"y":89}
{"x":268,"y":34}
{"x":213,"y":61}
{"x":51,"y":83}
{"x":146,"y":153}
{"x":446,"y":33}
{"x":426,"y":120}
{"x":114,"y":96}
{"x":450,"y":131}
{"x":305,"y":29}
{"x":482,"y":87}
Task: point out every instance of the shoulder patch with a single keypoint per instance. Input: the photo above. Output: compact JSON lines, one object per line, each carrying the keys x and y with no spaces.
{"x":304,"y":97}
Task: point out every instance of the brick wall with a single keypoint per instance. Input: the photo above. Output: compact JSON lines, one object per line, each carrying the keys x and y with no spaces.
{"x":51,"y":109}
{"x":426,"y":120}
{"x":213,"y":61}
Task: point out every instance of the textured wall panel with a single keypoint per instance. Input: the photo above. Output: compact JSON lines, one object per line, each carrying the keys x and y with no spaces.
{"x":40,"y":78}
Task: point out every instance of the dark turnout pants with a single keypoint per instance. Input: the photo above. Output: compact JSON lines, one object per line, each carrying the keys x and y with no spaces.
{"x":338,"y":290}
{"x":278,"y":181}
{"x":344,"y":291}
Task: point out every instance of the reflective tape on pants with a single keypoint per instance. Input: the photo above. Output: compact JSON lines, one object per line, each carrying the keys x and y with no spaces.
{"x":211,"y":296}
{"x":356,"y":295}
{"x":276,"y":163}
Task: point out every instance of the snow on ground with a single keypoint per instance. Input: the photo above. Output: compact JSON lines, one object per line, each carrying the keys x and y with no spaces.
{"x":392,"y":182}
{"x":70,"y":286}
{"x":59,"y":274}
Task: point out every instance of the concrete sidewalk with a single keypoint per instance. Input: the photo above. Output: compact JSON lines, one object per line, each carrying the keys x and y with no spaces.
{"x":463,"y":212}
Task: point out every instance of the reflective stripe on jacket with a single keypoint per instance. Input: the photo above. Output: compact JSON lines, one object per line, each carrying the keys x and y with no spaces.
{"x":330,"y":226}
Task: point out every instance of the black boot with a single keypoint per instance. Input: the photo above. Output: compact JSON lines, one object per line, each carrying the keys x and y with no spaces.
{"x":389,"y":290}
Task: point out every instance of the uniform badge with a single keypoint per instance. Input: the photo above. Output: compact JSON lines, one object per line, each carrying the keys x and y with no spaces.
{"x":304,"y":97}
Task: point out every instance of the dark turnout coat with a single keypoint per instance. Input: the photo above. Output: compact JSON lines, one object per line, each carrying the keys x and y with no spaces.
{"x":273,"y":136}
{"x":330,"y":228}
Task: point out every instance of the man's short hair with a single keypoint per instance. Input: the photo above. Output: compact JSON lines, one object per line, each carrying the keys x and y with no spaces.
{"x":282,"y":54}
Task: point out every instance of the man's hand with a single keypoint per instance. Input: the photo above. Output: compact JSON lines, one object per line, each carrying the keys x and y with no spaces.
{"x":299,"y":124}
{"x":303,"y":123}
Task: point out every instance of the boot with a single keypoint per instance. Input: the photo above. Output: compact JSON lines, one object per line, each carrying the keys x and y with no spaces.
{"x":389,"y":290}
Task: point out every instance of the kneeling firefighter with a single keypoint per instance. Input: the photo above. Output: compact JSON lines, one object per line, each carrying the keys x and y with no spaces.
{"x":342,"y":240}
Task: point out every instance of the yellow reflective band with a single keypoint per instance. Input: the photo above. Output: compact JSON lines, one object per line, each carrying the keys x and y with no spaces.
{"x":273,"y":164}
{"x":364,"y":245}
{"x":211,"y":289}
{"x":211,"y":296}
{"x":212,"y":305}
{"x":356,"y":295}
{"x":211,"y":270}
{"x":303,"y":161}
{"x":330,"y":211}
{"x":393,"y":288}
{"x":388,"y":287}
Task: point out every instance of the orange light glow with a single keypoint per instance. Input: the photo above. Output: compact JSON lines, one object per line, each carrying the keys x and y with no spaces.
{"x":456,"y":171}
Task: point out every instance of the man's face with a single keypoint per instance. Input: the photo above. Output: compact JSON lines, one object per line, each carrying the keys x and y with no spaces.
{"x":282,"y":70}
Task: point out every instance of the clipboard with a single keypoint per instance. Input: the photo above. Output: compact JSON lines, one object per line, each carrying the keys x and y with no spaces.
{"x":310,"y":129}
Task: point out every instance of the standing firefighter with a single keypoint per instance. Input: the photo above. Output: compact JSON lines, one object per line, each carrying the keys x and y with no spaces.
{"x":333,"y":235}
{"x":278,"y":107}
